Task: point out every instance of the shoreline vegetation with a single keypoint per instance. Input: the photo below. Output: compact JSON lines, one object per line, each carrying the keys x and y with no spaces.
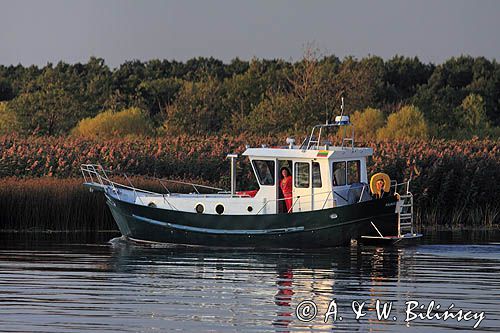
{"x":455,"y":183}
{"x":436,"y":124}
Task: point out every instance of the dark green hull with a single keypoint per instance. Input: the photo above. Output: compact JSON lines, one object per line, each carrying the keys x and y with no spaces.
{"x":315,"y":229}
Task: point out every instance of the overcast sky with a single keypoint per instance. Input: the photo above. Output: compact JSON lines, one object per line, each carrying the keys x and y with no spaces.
{"x":41,"y":31}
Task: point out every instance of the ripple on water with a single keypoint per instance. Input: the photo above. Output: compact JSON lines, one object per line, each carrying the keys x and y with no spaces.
{"x":123,"y":287}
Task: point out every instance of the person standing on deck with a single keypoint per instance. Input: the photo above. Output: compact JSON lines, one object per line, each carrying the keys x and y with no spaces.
{"x":380,"y":184}
{"x":286,"y":188}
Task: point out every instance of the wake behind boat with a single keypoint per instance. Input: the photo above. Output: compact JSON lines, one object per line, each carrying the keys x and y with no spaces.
{"x":312,"y":195}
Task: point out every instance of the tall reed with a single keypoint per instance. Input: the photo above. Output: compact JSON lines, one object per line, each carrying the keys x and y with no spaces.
{"x":454,"y":182}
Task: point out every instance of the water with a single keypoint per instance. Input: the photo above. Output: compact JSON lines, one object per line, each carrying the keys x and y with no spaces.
{"x":59,"y":283}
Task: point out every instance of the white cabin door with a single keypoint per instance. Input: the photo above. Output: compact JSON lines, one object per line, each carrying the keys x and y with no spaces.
{"x":302,"y":187}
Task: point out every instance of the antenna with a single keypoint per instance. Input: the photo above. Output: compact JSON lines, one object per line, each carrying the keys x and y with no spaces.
{"x":326,"y":113}
{"x":342,"y":106}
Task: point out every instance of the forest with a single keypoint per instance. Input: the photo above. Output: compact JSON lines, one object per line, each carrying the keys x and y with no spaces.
{"x":397,"y":98}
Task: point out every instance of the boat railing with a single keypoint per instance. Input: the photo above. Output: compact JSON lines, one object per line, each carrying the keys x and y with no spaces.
{"x":298,"y":199}
{"x":313,"y":142}
{"x":95,"y":173}
{"x":400,"y":188}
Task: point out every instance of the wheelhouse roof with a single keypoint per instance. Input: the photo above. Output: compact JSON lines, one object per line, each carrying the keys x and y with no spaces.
{"x":297,"y":153}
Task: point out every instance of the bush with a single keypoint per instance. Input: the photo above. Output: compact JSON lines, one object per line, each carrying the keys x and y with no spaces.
{"x":365,"y":123}
{"x":407,"y":123}
{"x":8,"y":120}
{"x":129,"y":122}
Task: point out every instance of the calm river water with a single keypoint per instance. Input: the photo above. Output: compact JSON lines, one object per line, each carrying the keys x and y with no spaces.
{"x":82,"y":283}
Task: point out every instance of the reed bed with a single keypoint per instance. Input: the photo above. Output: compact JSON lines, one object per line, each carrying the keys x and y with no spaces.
{"x":454,"y":182}
{"x":52,"y":204}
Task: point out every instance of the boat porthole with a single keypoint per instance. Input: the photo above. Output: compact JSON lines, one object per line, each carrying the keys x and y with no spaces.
{"x":249,"y":208}
{"x":219,"y":209}
{"x":152,"y":204}
{"x":199,"y":208}
{"x":333,"y":216}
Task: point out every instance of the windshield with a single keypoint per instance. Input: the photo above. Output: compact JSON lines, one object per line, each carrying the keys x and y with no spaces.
{"x":265,"y":171}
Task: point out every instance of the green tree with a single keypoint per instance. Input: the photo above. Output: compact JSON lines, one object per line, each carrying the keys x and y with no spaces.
{"x":60,"y":96}
{"x":197,"y":108}
{"x":360,"y":82}
{"x":50,"y":111}
{"x":403,"y":76}
{"x":8,"y":120}
{"x":157,"y":94}
{"x":407,"y":123}
{"x":6,"y":91}
{"x":453,"y":81}
{"x":311,"y":87}
{"x":278,"y":113}
{"x":473,"y":115}
{"x":243,"y":92}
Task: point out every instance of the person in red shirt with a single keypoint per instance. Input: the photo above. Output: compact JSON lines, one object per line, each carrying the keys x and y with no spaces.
{"x":286,"y":188}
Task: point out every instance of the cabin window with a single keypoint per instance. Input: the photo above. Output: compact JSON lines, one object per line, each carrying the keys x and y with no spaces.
{"x":265,"y":171}
{"x":353,"y":174}
{"x":339,"y":173}
{"x":316,"y":175}
{"x":301,"y":175}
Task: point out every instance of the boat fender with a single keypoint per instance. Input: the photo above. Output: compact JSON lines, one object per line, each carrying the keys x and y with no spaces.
{"x":380,"y":176}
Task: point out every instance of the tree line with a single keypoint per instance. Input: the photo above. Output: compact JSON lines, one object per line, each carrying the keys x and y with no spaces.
{"x":398,"y":97}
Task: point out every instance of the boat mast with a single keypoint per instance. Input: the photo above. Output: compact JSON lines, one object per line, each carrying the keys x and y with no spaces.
{"x":233,"y":158}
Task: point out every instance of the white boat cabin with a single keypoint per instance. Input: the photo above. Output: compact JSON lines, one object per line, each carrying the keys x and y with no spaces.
{"x":321,"y":178}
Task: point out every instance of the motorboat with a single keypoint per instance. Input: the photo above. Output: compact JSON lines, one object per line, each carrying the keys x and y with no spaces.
{"x":330,"y":200}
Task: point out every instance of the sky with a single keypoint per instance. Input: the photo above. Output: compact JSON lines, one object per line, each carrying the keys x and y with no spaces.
{"x":42,"y":31}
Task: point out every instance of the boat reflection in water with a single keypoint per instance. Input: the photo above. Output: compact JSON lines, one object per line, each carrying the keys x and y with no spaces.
{"x":270,"y":284}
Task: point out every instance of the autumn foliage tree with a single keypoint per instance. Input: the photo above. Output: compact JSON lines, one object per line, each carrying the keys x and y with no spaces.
{"x":366,"y":123}
{"x":129,"y":122}
{"x":407,"y":123}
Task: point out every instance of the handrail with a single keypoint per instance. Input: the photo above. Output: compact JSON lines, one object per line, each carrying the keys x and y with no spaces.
{"x":102,"y":175}
{"x":308,"y":195}
{"x":395,"y":185}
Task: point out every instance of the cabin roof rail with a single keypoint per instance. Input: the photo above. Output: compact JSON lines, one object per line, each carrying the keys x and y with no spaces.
{"x":310,"y":142}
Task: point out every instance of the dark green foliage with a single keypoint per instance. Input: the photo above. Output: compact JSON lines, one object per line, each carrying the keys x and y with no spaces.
{"x":451,"y":82}
{"x":52,"y":101}
{"x":6,"y":92}
{"x":403,"y":76}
